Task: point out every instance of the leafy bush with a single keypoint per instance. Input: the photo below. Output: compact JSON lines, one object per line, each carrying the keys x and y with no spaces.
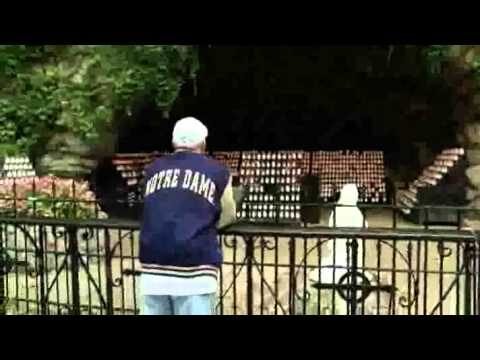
{"x":82,"y":88}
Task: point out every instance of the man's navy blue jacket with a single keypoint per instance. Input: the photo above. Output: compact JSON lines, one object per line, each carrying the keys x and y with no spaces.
{"x":181,"y":210}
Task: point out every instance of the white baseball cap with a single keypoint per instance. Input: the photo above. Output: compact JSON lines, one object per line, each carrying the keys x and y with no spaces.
{"x":189,"y":132}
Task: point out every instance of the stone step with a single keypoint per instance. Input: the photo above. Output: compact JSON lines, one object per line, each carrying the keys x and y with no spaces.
{"x":428,"y":181}
{"x":420,"y":184}
{"x":410,"y":196}
{"x":432,"y":174}
{"x":438,"y":169}
{"x":448,"y":157}
{"x":457,"y":151}
{"x":413,"y":189}
{"x":444,"y":163}
{"x":404,"y":202}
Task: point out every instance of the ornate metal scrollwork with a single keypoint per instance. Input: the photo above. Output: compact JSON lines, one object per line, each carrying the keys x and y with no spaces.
{"x":117,"y":282}
{"x":117,"y":244}
{"x":86,"y":234}
{"x":6,"y":262}
{"x":263,"y":243}
{"x":58,"y":234}
{"x":347,"y":290}
{"x":127,"y":272}
{"x":230,"y":241}
{"x":403,"y":300}
{"x":443,"y":250}
{"x":131,"y":272}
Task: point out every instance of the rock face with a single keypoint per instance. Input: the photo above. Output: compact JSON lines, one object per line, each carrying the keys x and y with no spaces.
{"x":458,"y":74}
{"x":471,"y":194}
{"x":471,"y":142}
{"x":473,"y":175}
{"x":472,"y":134}
{"x":473,"y":156}
{"x":475,"y":203}
{"x":67,"y":156}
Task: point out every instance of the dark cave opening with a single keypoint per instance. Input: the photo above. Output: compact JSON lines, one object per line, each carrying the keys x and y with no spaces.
{"x":307,"y":98}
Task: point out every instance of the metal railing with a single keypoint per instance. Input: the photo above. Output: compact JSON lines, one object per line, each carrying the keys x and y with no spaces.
{"x":52,"y":266}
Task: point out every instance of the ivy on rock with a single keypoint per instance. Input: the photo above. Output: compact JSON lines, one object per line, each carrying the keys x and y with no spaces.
{"x":81,"y":89}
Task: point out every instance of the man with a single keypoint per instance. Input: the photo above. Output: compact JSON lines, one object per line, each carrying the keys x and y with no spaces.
{"x":187,"y":196}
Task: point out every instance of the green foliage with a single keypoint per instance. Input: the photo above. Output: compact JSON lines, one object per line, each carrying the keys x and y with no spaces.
{"x":42,"y":205}
{"x":80,"y":88}
{"x":436,"y":56}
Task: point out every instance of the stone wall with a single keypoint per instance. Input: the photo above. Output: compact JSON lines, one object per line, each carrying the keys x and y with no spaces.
{"x":68,"y":156}
{"x":459,"y":74}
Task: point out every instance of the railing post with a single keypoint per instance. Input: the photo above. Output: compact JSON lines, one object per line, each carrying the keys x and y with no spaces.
{"x":292,"y":279}
{"x":353,"y":289}
{"x":41,"y":268}
{"x":74,"y":259}
{"x":3,"y":271}
{"x":108,"y":273}
{"x":468,"y":279}
{"x":477,"y":276}
{"x":249,"y":262}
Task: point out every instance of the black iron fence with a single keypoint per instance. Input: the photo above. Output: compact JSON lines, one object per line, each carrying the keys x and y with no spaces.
{"x":50,"y":266}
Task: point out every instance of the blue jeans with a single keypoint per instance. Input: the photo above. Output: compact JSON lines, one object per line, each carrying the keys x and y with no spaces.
{"x":179,"y":305}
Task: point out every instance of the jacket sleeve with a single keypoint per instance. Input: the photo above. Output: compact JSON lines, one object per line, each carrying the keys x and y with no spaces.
{"x":228,"y":206}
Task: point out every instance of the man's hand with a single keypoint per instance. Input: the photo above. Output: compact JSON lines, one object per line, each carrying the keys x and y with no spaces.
{"x":228,"y":206}
{"x":240,"y":192}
